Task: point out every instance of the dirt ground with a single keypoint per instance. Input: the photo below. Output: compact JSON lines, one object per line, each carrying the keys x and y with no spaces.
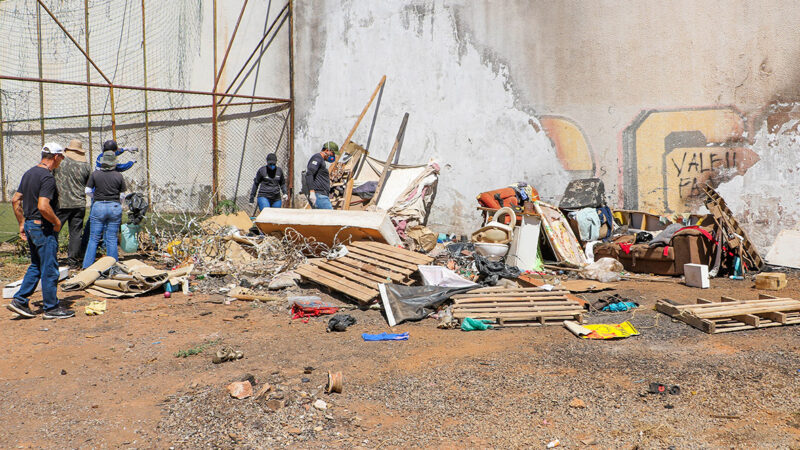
{"x":115,"y":380}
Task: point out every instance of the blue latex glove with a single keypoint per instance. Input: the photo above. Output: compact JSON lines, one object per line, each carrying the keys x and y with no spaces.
{"x":385,"y":337}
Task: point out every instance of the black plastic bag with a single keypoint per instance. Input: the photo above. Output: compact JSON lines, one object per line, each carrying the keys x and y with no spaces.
{"x":490,"y":272}
{"x":340,"y":322}
{"x":403,"y":302}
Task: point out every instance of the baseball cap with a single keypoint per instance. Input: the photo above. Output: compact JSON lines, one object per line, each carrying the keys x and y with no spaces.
{"x":330,"y":145}
{"x":53,"y":148}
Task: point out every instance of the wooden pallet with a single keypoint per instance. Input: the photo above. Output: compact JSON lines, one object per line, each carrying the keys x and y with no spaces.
{"x":366,"y":265}
{"x":728,"y":224}
{"x":735,"y":315}
{"x":518,"y":307}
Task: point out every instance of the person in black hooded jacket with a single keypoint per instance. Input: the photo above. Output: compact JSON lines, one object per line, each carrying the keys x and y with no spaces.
{"x":269,"y":185}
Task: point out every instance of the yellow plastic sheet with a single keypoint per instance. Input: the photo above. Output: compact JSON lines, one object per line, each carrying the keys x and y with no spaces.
{"x":610,"y":331}
{"x":96,"y":308}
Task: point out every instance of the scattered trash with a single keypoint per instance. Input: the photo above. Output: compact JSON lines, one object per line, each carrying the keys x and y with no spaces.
{"x":335,"y":382}
{"x":241,"y":293}
{"x":658,"y":388}
{"x":469,"y":324}
{"x":772,"y":281}
{"x":63,"y":372}
{"x":305,"y":309}
{"x":403,"y":303}
{"x":226,"y":354}
{"x":553,"y":444}
{"x":284,"y":280}
{"x":96,"y":308}
{"x":601,"y":331}
{"x":240,"y":389}
{"x":340,"y":322}
{"x":620,"y":306}
{"x":385,"y":337}
{"x":605,"y":270}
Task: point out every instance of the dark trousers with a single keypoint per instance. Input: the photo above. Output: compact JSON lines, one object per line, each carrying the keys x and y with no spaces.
{"x":73,"y":217}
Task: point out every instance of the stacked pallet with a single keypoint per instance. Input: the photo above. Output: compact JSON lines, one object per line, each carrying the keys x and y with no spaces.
{"x":518,"y":307}
{"x":734,"y":315}
{"x":366,"y":265}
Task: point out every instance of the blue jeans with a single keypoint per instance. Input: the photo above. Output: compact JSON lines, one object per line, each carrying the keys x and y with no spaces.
{"x":43,"y":244}
{"x":104,"y":221}
{"x":323,"y":202}
{"x":264,"y":202}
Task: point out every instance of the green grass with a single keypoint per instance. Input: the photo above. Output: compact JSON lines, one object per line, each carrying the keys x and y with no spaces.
{"x":195,"y":350}
{"x":8,"y":223}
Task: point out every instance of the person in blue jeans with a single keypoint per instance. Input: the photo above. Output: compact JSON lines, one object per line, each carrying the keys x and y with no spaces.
{"x":35,"y":206}
{"x":104,"y":220}
{"x":318,"y":179}
{"x":269,"y":184}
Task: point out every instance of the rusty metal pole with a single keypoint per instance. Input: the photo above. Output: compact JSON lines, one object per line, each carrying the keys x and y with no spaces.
{"x":291,"y":104}
{"x":41,"y":75}
{"x":88,"y":77}
{"x":113,"y":116}
{"x":214,"y":153}
{"x":218,"y":73}
{"x":2,"y":153}
{"x":146,"y":116}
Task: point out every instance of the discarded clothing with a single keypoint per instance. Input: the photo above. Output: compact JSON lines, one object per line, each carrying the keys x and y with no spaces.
{"x":588,"y":224}
{"x":584,"y":193}
{"x":470,"y":324}
{"x":340,"y":322}
{"x":303,"y":309}
{"x":665,"y":236}
{"x":385,"y":337}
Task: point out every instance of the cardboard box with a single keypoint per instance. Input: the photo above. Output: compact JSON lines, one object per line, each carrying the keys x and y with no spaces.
{"x":771,"y":281}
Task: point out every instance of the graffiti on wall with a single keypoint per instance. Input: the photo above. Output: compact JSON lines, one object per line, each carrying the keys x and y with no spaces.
{"x":668,"y":155}
{"x":572,"y":148}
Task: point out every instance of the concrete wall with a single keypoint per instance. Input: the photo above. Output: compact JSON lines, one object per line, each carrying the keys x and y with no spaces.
{"x":654,"y":97}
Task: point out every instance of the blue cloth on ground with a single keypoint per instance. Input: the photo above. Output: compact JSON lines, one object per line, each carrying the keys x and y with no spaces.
{"x":385,"y":337}
{"x":619,"y":306}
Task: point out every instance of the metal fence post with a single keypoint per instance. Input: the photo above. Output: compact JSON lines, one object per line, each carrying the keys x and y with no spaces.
{"x":214,"y":152}
{"x":88,"y":78}
{"x":2,"y":153}
{"x":146,"y":116}
{"x":39,"y":56}
{"x":291,"y":105}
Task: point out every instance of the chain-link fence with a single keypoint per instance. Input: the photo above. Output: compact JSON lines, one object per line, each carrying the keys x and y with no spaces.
{"x":173,"y":130}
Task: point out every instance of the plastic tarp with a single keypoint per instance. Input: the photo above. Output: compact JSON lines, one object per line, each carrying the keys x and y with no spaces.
{"x":443,"y":277}
{"x":403,"y":302}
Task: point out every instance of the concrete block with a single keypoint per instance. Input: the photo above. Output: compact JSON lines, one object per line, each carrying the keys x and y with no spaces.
{"x":696,"y":275}
{"x":772,"y":281}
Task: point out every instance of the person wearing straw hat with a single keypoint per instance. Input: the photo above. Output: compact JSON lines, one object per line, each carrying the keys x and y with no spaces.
{"x":71,"y":177}
{"x":35,"y":204}
{"x":108,"y":187}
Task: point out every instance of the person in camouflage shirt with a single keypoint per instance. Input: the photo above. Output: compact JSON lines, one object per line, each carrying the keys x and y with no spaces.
{"x":71,"y":179}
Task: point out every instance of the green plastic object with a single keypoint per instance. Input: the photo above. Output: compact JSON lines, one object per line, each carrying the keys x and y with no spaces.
{"x":469,"y":324}
{"x":129,"y":241}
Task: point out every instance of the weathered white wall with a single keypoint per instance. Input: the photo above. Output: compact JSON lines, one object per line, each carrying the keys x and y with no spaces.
{"x":462,"y":110}
{"x":646,"y":95}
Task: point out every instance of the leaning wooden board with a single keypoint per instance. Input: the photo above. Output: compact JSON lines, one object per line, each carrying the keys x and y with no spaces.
{"x":366,"y":265}
{"x":735,"y":315}
{"x":518,"y":307}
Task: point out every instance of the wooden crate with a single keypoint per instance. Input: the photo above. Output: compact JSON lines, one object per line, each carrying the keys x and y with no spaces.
{"x":517,"y":307}
{"x":735,"y":315}
{"x":772,"y":281}
{"x":366,"y":265}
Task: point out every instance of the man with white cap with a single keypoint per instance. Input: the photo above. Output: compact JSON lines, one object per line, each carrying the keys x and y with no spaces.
{"x":35,"y":204}
{"x":71,"y":177}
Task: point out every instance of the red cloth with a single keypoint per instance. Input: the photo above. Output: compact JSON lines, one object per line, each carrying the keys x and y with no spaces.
{"x":626,"y":247}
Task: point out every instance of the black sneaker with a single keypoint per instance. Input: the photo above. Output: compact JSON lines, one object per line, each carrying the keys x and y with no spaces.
{"x":59,"y":312}
{"x":21,"y":309}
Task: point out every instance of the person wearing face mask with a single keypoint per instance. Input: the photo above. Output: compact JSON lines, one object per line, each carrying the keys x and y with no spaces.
{"x":269,"y":184}
{"x":318,"y":179}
